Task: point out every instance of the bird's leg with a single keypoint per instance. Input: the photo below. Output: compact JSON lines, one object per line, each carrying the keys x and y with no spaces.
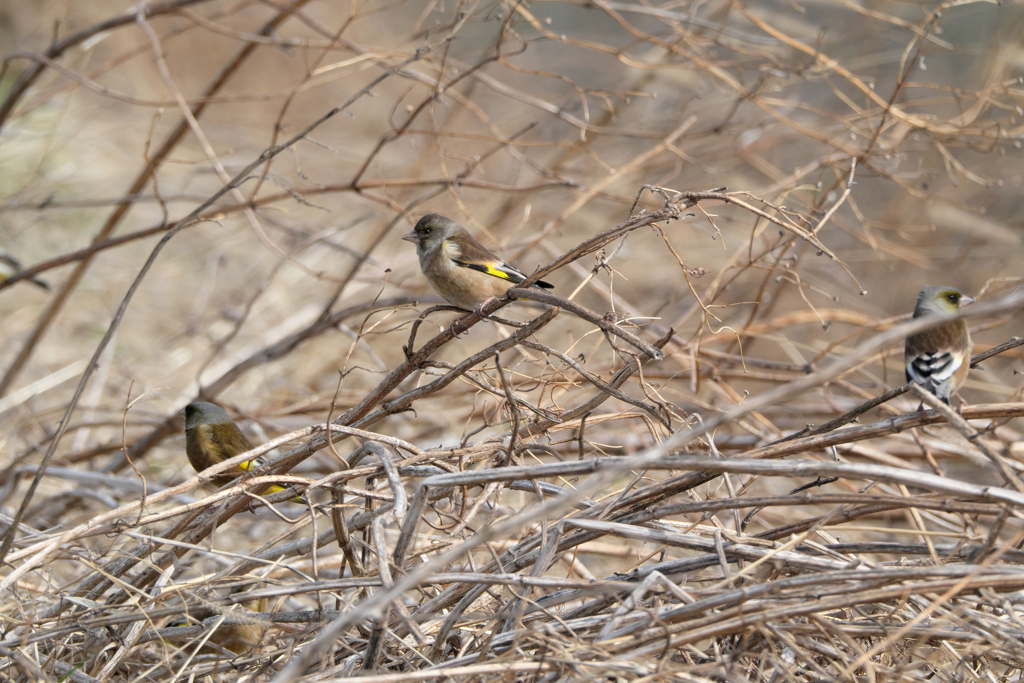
{"x":480,"y":307}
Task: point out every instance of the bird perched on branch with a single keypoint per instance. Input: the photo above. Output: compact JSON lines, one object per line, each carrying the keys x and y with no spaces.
{"x":211,"y":437}
{"x":458,"y":267}
{"x":940,"y":357}
{"x":10,"y":266}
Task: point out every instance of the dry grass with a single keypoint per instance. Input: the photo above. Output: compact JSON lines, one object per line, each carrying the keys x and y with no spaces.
{"x":615,"y":482}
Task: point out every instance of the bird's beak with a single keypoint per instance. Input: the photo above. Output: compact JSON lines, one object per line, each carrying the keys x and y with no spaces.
{"x":965,"y":300}
{"x":411,"y":237}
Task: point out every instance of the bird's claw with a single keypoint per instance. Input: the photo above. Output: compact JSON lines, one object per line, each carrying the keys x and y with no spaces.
{"x":453,"y":331}
{"x":479,"y":310}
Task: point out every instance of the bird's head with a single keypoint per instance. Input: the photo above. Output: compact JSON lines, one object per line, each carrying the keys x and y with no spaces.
{"x":202,"y":413}
{"x":431,"y":231}
{"x":940,"y":300}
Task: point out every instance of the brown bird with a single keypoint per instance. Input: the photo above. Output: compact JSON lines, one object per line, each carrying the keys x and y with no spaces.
{"x":940,"y":357}
{"x":211,"y":437}
{"x":239,"y":632}
{"x":458,"y":267}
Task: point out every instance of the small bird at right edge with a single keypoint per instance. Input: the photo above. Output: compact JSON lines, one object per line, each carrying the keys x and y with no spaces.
{"x":458,"y":267}
{"x":940,"y":357}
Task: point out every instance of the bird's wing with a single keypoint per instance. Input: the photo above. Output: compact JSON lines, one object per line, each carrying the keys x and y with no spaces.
{"x":477,"y":258}
{"x":934,"y":369}
{"x":934,"y":356}
{"x":474,"y":256}
{"x":226,"y":441}
{"x":938,"y":367}
{"x":232,"y":442}
{"x":220,"y":442}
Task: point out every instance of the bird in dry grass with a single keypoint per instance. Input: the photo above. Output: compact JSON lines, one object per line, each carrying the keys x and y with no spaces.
{"x":212,"y":437}
{"x":940,"y":357}
{"x":458,"y":267}
{"x":238,"y":633}
{"x":10,"y":266}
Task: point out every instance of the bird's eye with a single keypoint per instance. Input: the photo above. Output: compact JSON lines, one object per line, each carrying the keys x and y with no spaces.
{"x":952,"y":297}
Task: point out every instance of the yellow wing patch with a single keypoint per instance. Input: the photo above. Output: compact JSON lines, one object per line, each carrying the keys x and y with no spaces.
{"x":249,"y":465}
{"x":209,"y":444}
{"x":491,"y":270}
{"x":497,"y":268}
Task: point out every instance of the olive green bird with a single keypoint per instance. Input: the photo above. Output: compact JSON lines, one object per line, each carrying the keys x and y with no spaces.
{"x":458,"y":267}
{"x":211,"y":437}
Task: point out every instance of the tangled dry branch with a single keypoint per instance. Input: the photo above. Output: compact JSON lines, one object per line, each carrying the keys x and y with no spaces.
{"x":691,"y":460}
